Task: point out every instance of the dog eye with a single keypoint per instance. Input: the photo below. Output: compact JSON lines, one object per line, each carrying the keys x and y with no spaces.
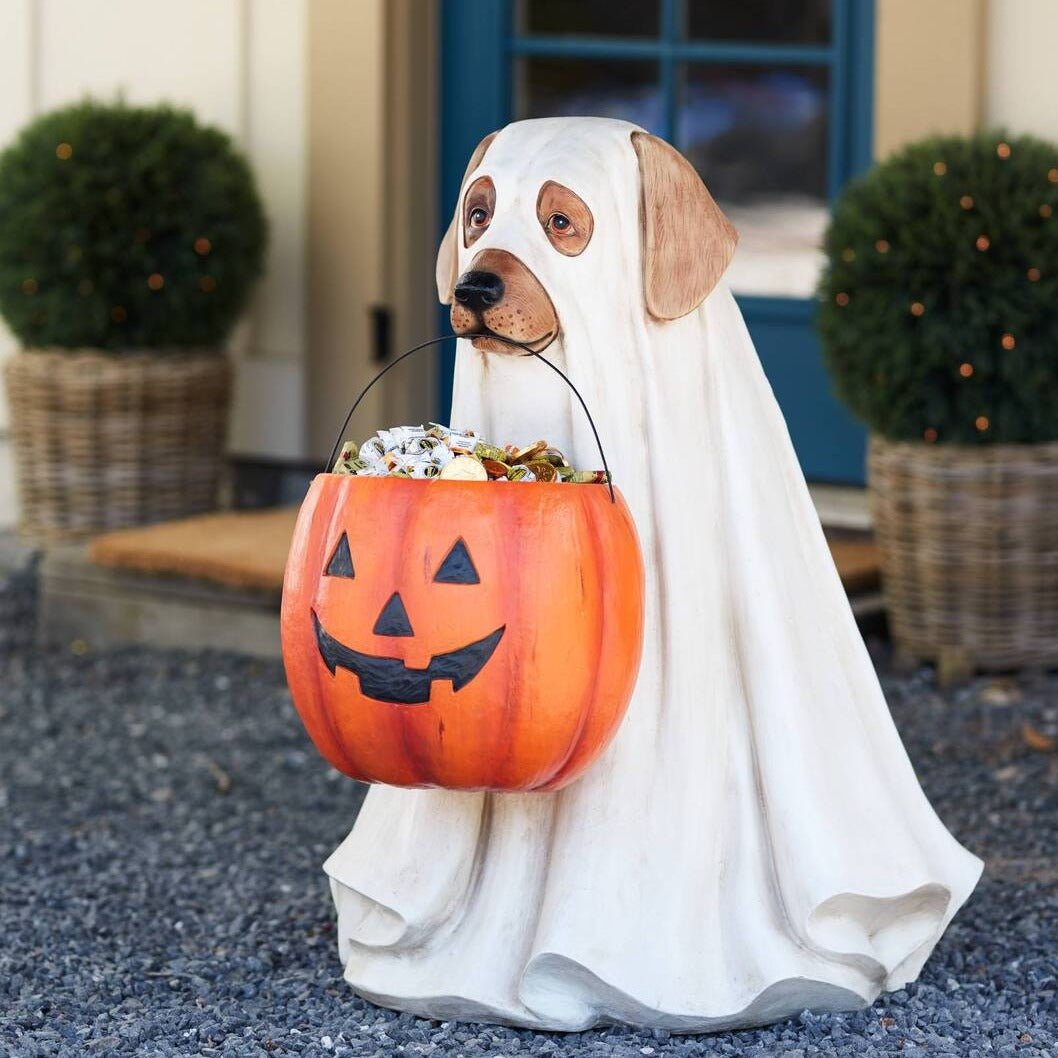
{"x":560,"y":224}
{"x":565,"y":218}
{"x":479,"y":217}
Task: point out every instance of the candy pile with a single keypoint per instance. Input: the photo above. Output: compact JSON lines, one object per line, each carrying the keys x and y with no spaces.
{"x":436,"y":451}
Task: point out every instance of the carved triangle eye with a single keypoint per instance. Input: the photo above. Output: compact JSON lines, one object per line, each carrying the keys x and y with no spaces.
{"x":341,"y":563}
{"x":458,"y":567}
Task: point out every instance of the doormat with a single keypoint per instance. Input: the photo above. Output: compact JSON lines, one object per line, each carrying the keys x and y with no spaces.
{"x":240,"y":549}
{"x":248,"y":549}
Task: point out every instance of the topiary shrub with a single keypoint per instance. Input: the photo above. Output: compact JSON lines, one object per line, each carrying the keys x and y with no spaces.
{"x":126,"y":227}
{"x":939,"y":313}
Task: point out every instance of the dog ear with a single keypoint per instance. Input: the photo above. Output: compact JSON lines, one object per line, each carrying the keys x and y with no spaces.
{"x":448,"y":253}
{"x":686,"y":240}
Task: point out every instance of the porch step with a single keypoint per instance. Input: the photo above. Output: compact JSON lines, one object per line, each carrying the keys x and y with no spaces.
{"x":215,"y":581}
{"x":235,"y":549}
{"x":86,"y":604}
{"x":210,"y":581}
{"x":858,"y":562}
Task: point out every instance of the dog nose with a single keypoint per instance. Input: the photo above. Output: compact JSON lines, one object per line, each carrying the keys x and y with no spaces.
{"x":479,"y":290}
{"x":393,"y":620}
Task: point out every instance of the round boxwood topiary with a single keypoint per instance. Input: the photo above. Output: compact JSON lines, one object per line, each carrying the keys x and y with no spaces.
{"x":126,"y":227}
{"x":939,"y":313}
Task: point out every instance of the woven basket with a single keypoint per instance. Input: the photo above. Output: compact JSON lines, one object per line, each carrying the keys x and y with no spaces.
{"x":104,"y":440}
{"x":969,"y":544}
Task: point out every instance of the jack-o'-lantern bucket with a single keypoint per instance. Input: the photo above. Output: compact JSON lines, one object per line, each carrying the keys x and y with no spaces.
{"x":470,"y":635}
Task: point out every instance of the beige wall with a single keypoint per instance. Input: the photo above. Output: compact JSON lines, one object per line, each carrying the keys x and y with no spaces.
{"x":239,"y":64}
{"x":1021,"y":72}
{"x":929,"y":63}
{"x":334,"y":102}
{"x":346,"y":172}
{"x":372,"y":103}
{"x":954,"y":65}
{"x":412,"y":106}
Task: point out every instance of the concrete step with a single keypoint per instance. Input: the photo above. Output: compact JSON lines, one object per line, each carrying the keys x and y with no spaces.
{"x":82,"y":602}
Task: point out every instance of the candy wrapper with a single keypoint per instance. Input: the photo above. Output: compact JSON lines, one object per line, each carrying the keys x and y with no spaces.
{"x":435,"y":451}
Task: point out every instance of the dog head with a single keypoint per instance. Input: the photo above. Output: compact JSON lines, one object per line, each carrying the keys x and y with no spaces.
{"x":685,"y":241}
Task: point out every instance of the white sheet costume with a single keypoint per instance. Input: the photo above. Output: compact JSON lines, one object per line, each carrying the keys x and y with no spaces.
{"x":754,"y":841}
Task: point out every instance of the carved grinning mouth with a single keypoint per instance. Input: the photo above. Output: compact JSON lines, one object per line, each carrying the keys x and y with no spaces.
{"x":390,"y":680}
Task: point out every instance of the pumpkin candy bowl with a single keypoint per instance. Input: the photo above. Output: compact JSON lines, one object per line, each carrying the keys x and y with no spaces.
{"x":466,"y":635}
{"x":470,"y":635}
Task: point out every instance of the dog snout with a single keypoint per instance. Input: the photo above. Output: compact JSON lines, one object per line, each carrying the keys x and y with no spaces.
{"x":499,"y":295}
{"x":479,"y":290}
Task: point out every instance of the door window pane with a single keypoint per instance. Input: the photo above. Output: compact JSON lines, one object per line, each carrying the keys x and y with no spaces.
{"x":759,"y":21}
{"x":599,"y":18}
{"x":758,"y":136}
{"x":548,"y":87}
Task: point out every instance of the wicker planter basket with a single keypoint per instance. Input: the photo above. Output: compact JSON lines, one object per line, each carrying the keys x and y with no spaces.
{"x":103,"y":440}
{"x":969,"y":542}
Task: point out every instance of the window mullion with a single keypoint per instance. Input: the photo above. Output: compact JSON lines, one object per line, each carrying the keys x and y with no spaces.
{"x":669,"y":72}
{"x":837,"y":100}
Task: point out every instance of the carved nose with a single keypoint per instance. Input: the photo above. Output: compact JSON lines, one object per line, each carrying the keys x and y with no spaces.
{"x":479,"y":290}
{"x":393,"y":620}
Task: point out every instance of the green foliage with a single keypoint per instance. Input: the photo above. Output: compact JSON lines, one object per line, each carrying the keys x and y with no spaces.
{"x":126,"y":227}
{"x":939,"y":313}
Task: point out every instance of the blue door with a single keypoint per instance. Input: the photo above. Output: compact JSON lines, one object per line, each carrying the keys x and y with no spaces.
{"x":770,"y":99}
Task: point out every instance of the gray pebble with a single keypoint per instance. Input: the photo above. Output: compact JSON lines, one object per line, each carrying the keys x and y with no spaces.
{"x":144,"y":911}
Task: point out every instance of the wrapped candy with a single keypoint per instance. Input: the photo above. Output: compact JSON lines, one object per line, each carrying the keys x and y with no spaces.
{"x":436,"y":451}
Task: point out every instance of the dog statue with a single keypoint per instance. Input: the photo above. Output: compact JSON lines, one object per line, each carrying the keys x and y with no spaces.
{"x":754,"y":841}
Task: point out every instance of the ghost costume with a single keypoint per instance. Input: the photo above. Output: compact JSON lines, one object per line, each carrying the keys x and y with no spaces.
{"x":754,"y":841}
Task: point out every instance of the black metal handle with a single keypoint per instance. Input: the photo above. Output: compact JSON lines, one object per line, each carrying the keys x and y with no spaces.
{"x":495,"y":338}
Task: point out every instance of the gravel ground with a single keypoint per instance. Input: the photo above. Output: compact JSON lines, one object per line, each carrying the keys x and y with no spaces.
{"x":163,"y":819}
